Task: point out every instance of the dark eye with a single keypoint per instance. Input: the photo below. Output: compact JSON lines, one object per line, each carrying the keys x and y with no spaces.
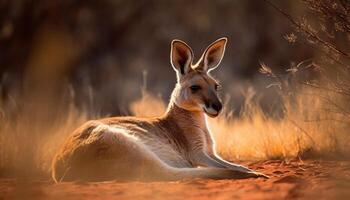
{"x":195,"y":88}
{"x":217,"y":87}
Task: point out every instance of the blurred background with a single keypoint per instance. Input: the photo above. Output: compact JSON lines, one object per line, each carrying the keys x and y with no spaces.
{"x":98,"y":51}
{"x":63,"y":62}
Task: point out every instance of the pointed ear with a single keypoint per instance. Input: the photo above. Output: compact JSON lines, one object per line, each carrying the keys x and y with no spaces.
{"x":181,"y":56}
{"x":212,"y":56}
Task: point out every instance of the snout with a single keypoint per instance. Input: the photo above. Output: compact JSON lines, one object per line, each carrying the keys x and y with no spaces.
{"x":213,"y":109}
{"x":217,"y":106}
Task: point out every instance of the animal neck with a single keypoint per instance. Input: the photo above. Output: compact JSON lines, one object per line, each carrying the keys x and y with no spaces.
{"x":185,"y":118}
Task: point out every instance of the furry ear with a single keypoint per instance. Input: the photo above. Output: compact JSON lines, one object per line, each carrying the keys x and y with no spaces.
{"x":212,"y":56}
{"x":181,"y":56}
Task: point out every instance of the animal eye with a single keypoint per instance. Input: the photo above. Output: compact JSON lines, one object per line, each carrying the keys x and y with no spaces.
{"x":195,"y":88}
{"x":218,"y":87}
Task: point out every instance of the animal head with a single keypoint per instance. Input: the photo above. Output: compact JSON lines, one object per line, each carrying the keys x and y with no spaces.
{"x":196,"y":90}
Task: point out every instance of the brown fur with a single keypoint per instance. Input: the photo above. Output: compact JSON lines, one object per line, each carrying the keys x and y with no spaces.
{"x":170,"y":147}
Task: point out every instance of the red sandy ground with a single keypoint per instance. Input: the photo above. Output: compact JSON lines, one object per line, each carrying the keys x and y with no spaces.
{"x":289,"y":180}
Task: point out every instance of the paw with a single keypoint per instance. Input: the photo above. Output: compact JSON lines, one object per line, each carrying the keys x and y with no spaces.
{"x":260,"y":175}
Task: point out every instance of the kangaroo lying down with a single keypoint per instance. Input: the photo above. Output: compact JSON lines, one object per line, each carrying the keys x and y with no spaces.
{"x":175,"y":146}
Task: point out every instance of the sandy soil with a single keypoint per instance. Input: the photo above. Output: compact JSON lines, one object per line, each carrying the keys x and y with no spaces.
{"x":289,"y":180}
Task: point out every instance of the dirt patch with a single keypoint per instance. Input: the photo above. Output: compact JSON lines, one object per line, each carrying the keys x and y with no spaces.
{"x":289,"y":180}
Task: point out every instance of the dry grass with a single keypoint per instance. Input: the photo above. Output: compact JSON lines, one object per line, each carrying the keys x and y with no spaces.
{"x":307,"y":129}
{"x":28,"y":144}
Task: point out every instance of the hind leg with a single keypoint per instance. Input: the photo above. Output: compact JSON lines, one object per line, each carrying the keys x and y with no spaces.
{"x":108,"y":153}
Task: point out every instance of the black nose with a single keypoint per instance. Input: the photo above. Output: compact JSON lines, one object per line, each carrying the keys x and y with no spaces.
{"x":217,"y":106}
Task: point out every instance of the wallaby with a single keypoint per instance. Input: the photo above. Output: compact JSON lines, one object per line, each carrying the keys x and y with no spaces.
{"x":175,"y":146}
